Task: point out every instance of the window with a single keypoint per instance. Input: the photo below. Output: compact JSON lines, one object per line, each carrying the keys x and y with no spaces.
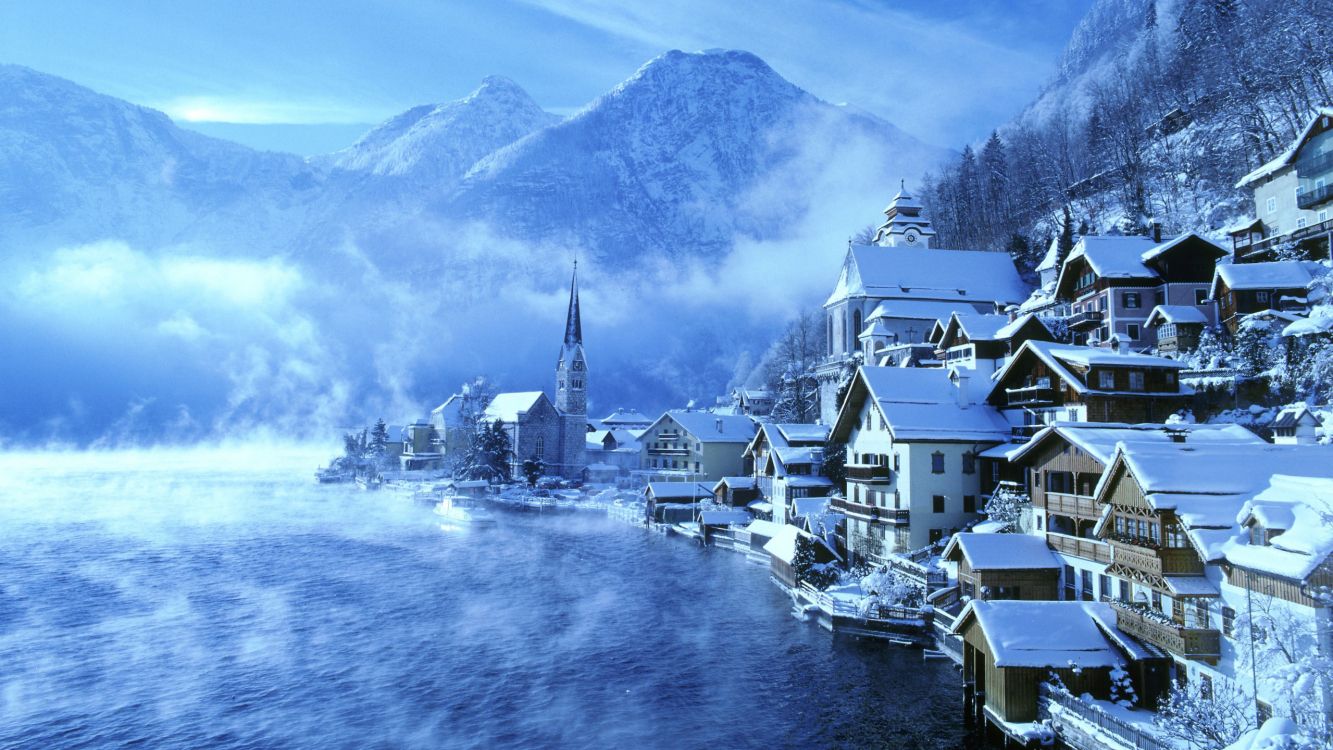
{"x":1038,"y":523}
{"x":1104,"y":587}
{"x":1300,"y":222}
{"x":1228,"y":621}
{"x":937,"y":463}
{"x":935,"y":535}
{"x":1132,"y":331}
{"x":937,"y":503}
{"x":541,"y":447}
{"x":1200,"y":296}
{"x":995,"y":471}
{"x":1086,"y":575}
{"x":895,"y":462}
{"x":969,"y":503}
{"x":1271,"y":205}
{"x":1157,"y":600}
{"x":1136,"y":380}
{"x":1106,"y":380}
{"x":1323,"y":216}
{"x":1123,"y":593}
{"x":1069,"y":582}
{"x":696,"y":466}
{"x":1131,"y":300}
{"x":969,"y":463}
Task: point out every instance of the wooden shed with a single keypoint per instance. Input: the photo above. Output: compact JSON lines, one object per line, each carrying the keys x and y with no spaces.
{"x":1004,"y":566}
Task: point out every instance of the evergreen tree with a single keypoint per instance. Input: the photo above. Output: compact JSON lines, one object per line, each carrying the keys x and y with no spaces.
{"x":1065,"y":244}
{"x":533,"y":468}
{"x":379,"y":443}
{"x":834,"y":465}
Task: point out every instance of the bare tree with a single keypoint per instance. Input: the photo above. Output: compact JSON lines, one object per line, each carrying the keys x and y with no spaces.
{"x":790,"y":370}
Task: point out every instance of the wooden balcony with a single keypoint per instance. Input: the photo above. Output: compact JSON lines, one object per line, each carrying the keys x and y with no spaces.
{"x":1308,"y":199}
{"x":1032,"y":395}
{"x":1204,"y":644}
{"x":867,"y":473}
{"x":1165,"y":561}
{"x":669,"y":451}
{"x":1085,"y":319}
{"x":872,"y":513}
{"x":1078,"y":506}
{"x":1088,"y":549}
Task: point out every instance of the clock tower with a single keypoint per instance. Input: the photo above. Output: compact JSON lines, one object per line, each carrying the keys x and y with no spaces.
{"x":905,"y":224}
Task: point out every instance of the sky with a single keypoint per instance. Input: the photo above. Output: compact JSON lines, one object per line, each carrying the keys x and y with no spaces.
{"x":310,"y":77}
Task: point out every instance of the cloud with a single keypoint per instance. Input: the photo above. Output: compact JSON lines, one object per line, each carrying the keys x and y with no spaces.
{"x":244,"y":111}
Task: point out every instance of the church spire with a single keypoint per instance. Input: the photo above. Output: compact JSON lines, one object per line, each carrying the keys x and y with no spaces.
{"x":573,"y":324}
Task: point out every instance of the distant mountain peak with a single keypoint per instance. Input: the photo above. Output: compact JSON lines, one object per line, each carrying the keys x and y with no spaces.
{"x":438,"y":142}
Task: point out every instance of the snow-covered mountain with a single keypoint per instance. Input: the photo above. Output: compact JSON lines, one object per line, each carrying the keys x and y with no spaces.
{"x":78,"y":166}
{"x":433,"y":249}
{"x":669,"y":161}
{"x":440,"y":142}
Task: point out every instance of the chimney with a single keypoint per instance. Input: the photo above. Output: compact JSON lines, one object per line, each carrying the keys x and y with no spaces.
{"x":719,"y":424}
{"x":1157,"y":232}
{"x":1012,"y":312}
{"x":959,"y":381}
{"x":1115,"y":343}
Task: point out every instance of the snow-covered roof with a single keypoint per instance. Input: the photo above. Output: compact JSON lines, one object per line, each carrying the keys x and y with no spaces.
{"x":1320,"y":321}
{"x":804,"y":433}
{"x":981,"y":327}
{"x":1300,"y":506}
{"x":1277,"y":274}
{"x":789,"y":456}
{"x":707,"y":427}
{"x":807,"y":506}
{"x":679,"y":490}
{"x":1002,"y":551}
{"x":1176,"y":314}
{"x":724,"y":517}
{"x":1008,"y":331}
{"x":1165,"y":247}
{"x":1100,"y":439}
{"x":782,"y":544}
{"x":929,"y":274}
{"x":624,"y":416}
{"x":1114,"y":257}
{"x":1295,"y":414}
{"x":922,"y":404}
{"x":507,"y":406}
{"x":1289,"y":154}
{"x":1048,"y":260}
{"x":1046,"y":635}
{"x":735,"y":483}
{"x":920,"y":309}
{"x":764,"y":528}
{"x":810,"y":480}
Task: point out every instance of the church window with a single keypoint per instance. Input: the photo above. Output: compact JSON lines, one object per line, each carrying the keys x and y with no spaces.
{"x":856,"y":327}
{"x":541,"y":447}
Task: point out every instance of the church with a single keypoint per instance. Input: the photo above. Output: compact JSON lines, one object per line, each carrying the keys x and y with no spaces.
{"x":890,"y":294}
{"x":553,"y":431}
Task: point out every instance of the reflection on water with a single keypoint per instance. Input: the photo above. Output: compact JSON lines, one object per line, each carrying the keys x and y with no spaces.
{"x":155,"y":601}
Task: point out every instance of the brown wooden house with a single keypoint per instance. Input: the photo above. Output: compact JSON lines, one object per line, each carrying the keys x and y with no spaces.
{"x":1046,"y":383}
{"x":984,"y":342}
{"x":1011,"y":647}
{"x":1004,"y":566}
{"x":1244,"y":288}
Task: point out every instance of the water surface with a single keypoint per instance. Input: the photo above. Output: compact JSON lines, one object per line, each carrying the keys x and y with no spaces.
{"x":153,"y":600}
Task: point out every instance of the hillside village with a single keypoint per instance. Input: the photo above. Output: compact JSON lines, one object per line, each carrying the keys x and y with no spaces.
{"x":1108,"y":499}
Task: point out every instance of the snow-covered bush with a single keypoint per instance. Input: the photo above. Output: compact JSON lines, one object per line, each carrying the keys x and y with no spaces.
{"x":1122,"y":688}
{"x":1007,"y":506}
{"x":1204,"y":718}
{"x":885,"y":588}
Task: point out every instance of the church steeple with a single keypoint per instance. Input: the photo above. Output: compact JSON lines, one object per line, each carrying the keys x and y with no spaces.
{"x":573,"y":324}
{"x":904,"y":223}
{"x":571,"y":372}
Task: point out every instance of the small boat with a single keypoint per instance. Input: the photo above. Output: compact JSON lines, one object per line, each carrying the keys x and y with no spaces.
{"x":457,"y":510}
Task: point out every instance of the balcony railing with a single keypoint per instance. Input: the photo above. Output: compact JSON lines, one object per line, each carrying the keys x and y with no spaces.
{"x":1161,"y":561}
{"x":871,"y":512}
{"x":1159,"y":630}
{"x":1031,"y":395}
{"x":867,"y":473}
{"x":1072,"y":505}
{"x":1025,"y":431}
{"x":1307,"y":199}
{"x":669,"y":451}
{"x":1085,"y":319}
{"x":1088,"y":549}
{"x":1296,"y":235}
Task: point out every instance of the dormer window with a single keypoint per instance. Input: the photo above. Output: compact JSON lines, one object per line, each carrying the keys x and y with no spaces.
{"x":1258,"y":535}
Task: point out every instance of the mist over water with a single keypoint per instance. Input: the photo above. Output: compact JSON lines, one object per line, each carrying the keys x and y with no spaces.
{"x":156,"y":600}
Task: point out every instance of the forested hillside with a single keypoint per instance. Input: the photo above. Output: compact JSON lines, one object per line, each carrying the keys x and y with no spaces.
{"x":1158,"y":107}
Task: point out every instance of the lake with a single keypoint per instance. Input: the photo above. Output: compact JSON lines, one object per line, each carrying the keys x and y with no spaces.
{"x":152,"y":599}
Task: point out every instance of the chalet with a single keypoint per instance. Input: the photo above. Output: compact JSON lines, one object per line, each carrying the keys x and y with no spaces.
{"x":894,"y":291}
{"x":696,"y":446}
{"x":1296,"y":425}
{"x":1176,"y":328}
{"x":752,"y":402}
{"x":1243,"y":288}
{"x":1003,"y":566}
{"x":1011,"y":647}
{"x":674,"y":502}
{"x":1293,"y":195}
{"x":617,"y":448}
{"x":1113,"y":283}
{"x":984,"y":342}
{"x":781,"y":549}
{"x":912,"y":438}
{"x":738,"y":492}
{"x":788,"y":460}
{"x":1046,"y":383}
{"x":1060,"y":468}
{"x":1170,"y":517}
